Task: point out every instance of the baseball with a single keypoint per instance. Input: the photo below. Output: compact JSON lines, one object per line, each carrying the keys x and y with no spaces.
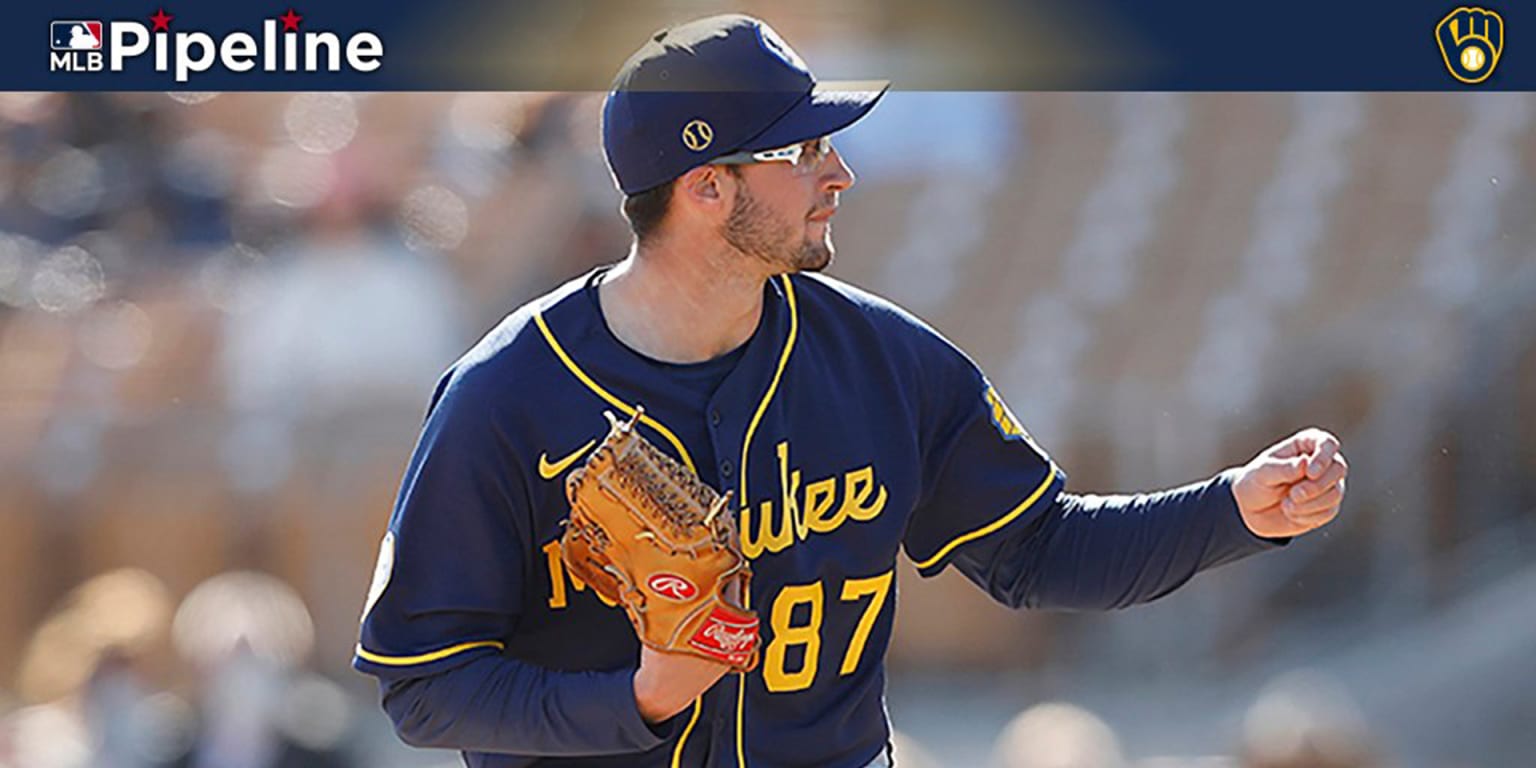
{"x":1473,"y":59}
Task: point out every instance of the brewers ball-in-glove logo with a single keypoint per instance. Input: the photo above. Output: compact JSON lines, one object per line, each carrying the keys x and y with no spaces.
{"x":383,"y":568}
{"x":1471,"y":40}
{"x":1008,"y":425}
{"x":697,"y":135}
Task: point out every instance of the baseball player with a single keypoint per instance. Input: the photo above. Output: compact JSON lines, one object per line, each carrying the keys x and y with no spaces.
{"x":845,"y":430}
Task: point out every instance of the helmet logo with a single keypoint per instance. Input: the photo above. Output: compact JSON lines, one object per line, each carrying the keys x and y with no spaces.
{"x":697,"y":135}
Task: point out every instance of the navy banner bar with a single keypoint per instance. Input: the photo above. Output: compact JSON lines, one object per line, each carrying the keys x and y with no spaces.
{"x":578,"y":44}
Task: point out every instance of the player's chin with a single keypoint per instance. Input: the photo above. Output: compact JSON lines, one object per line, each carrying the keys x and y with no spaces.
{"x":816,"y":255}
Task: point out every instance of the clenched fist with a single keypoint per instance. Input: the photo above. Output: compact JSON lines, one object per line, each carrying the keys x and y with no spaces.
{"x":1294,"y":486}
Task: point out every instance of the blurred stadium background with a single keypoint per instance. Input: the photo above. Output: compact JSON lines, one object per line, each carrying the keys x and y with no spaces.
{"x":221,"y":316}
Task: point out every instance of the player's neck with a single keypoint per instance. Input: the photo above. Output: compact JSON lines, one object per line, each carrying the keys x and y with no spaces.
{"x":682,"y":307}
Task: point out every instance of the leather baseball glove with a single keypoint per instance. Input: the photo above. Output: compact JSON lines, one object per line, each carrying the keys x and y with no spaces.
{"x":647,"y":533}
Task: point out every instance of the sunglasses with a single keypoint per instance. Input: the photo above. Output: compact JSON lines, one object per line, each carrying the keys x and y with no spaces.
{"x":803,"y":157}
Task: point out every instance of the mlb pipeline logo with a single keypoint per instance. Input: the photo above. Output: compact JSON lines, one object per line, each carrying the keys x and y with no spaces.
{"x":77,"y":46}
{"x":1471,"y":41}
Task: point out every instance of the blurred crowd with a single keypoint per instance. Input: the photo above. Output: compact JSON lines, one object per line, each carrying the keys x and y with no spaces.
{"x":120,"y":676}
{"x":1299,"y":721}
{"x":219,"y":319}
{"x":221,"y":316}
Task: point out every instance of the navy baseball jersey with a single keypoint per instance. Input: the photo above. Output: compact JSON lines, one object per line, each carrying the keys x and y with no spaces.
{"x":849,"y":431}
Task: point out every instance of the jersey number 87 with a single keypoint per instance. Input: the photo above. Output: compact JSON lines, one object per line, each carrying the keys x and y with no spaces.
{"x":786,"y":635}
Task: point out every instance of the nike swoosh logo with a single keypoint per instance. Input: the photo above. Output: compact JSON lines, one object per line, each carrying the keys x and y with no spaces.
{"x":550,"y":469}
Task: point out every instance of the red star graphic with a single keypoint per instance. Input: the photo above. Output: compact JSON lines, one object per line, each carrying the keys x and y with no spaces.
{"x":290,"y":21}
{"x":162,"y":20}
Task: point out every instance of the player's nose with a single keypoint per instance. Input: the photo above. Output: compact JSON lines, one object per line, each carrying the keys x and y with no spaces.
{"x":838,"y":176}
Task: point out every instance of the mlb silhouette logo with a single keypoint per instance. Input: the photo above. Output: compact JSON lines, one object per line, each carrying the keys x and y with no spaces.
{"x":76,"y":35}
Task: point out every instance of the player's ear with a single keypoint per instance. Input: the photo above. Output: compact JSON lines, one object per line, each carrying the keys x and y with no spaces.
{"x":702,"y":185}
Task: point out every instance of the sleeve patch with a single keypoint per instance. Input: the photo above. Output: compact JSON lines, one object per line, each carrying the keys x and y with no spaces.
{"x":382,"y":569}
{"x":1003,"y":419}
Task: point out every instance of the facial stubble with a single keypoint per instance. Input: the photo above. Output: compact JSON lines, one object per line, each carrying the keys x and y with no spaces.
{"x":754,"y":230}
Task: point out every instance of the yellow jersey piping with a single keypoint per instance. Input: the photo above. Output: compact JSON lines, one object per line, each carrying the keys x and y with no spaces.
{"x":629,"y":410}
{"x":993,"y":526}
{"x":405,"y":661}
{"x":677,"y":754}
{"x":746,"y":445}
{"x":570,"y":364}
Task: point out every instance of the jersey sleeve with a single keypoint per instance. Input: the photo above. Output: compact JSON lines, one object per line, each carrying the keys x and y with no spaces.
{"x":982,"y":473}
{"x":1091,"y":552}
{"x":447,"y":594}
{"x":448,"y":581}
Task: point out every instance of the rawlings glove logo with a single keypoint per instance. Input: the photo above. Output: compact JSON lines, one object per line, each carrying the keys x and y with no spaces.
{"x":730,"y":638}
{"x":672,"y":587}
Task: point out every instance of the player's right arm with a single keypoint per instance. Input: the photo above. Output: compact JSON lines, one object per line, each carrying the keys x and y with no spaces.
{"x":583,"y":713}
{"x":447,"y":594}
{"x":666,"y":683}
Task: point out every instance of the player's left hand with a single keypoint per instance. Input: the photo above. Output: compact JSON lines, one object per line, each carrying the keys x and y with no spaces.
{"x":1294,"y":486}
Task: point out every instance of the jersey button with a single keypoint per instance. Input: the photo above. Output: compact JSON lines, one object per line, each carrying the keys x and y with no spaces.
{"x":726,"y":467}
{"x":714,"y":418}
